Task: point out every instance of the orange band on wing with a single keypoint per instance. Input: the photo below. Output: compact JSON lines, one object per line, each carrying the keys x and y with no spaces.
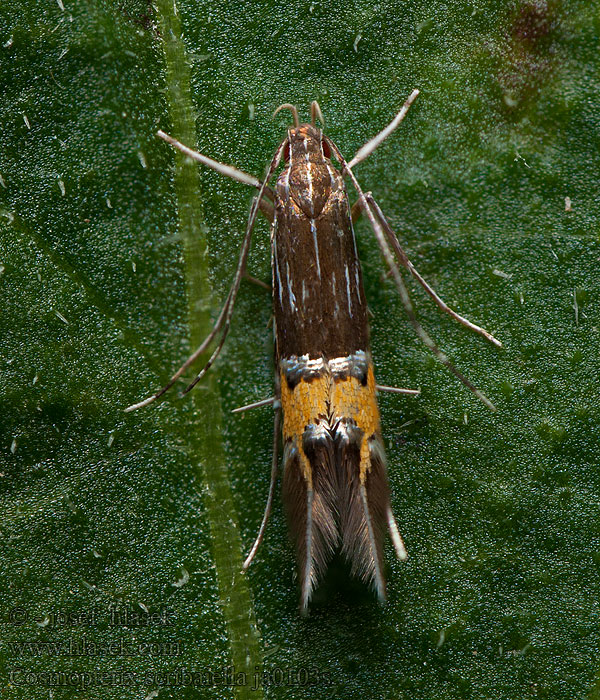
{"x":351,"y":399}
{"x":306,"y":403}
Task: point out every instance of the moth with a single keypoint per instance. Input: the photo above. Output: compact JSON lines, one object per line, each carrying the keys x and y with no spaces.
{"x":334,"y":486}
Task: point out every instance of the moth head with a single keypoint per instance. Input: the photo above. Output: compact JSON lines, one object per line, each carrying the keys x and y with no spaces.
{"x":306,"y":144}
{"x":305,"y":141}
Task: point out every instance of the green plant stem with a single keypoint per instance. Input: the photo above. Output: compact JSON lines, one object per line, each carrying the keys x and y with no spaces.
{"x":205,"y":442}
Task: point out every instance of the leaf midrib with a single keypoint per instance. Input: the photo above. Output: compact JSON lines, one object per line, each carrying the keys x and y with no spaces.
{"x":205,"y":442}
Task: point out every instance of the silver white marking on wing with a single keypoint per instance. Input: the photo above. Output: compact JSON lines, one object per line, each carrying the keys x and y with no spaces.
{"x":292,"y":296}
{"x":313,"y":228}
{"x":348,"y":290}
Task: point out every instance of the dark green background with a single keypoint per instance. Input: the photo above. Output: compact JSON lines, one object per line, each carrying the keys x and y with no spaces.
{"x":106,"y":288}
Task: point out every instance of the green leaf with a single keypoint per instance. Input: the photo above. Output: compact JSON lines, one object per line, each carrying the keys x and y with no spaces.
{"x":123,"y":534}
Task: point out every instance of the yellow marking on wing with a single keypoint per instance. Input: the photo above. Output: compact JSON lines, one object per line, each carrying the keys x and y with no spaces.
{"x":304,"y":404}
{"x":350,"y":399}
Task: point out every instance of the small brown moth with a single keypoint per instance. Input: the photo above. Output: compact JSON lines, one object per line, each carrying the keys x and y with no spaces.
{"x":335,"y":486}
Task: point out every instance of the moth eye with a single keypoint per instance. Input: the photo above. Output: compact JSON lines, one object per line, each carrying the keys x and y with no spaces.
{"x":326,"y":149}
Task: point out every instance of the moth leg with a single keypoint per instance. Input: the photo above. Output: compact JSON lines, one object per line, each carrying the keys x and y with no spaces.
{"x":400,"y":286}
{"x":257,"y":404}
{"x":192,"y":358}
{"x":223,"y":322}
{"x":403,"y":259}
{"x":227,"y":170}
{"x":396,"y":390}
{"x":241,"y":268}
{"x":371,"y":145}
{"x":357,"y":210}
{"x":267,"y":209}
{"x":256,"y":281}
{"x":263,"y":525}
{"x":395,"y":535}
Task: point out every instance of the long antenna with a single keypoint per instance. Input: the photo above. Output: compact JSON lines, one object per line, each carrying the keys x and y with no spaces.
{"x":293,"y":110}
